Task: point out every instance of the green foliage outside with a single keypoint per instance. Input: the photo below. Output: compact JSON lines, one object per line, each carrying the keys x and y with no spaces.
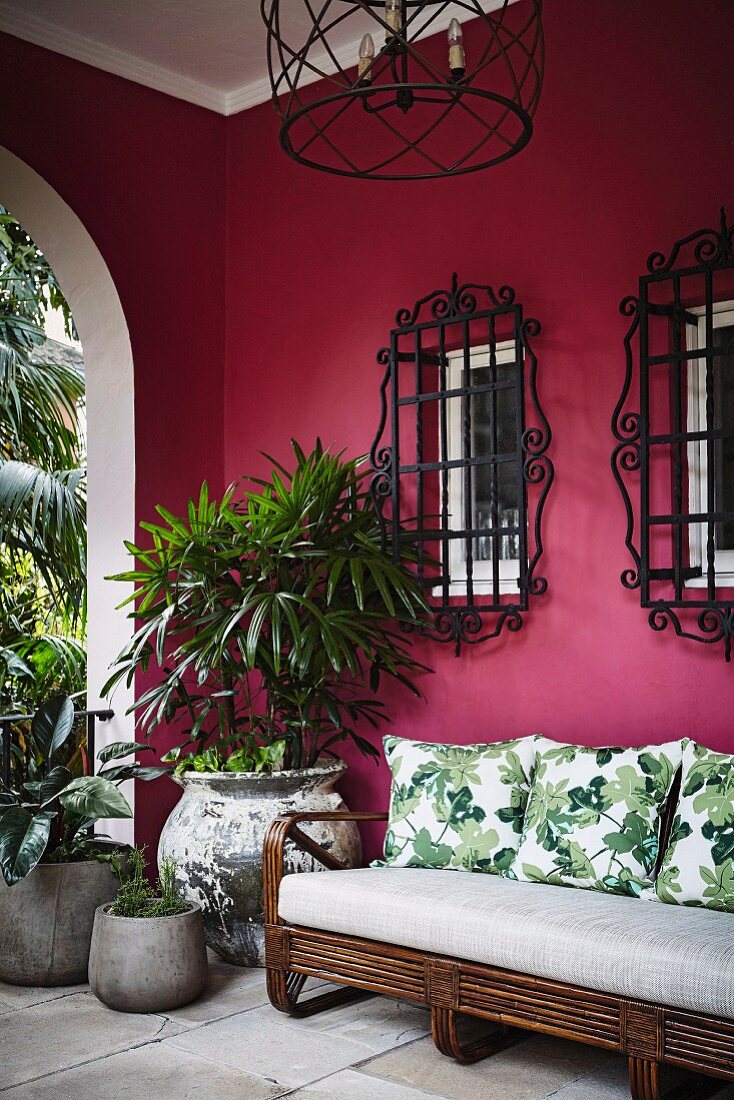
{"x":42,"y":486}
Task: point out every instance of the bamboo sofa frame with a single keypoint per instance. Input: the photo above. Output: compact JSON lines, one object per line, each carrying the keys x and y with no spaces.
{"x":650,"y":1035}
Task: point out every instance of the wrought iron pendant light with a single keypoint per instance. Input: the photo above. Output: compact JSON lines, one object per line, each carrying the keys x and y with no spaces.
{"x":373,"y":89}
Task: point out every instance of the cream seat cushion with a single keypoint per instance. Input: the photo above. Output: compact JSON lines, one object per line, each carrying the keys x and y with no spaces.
{"x":669,"y":955}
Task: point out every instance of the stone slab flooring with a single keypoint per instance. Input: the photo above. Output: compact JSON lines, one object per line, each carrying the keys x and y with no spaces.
{"x":62,"y":1043}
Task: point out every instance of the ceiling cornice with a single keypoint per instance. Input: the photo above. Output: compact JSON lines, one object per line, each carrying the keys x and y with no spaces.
{"x":41,"y":33}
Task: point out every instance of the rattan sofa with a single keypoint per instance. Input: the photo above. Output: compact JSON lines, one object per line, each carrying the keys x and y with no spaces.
{"x":653,"y":981}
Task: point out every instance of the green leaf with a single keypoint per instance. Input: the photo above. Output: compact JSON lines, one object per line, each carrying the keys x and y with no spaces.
{"x":54,"y":782}
{"x":619,"y":842}
{"x":428,"y":854}
{"x":52,"y":724}
{"x":23,"y":840}
{"x":120,"y":772}
{"x":93,"y":796}
{"x":118,"y":749}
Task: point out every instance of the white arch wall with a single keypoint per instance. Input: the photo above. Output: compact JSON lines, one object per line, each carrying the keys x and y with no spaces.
{"x":95,"y":304}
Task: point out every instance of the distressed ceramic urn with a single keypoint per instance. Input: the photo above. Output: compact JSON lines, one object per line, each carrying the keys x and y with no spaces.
{"x":216,"y":832}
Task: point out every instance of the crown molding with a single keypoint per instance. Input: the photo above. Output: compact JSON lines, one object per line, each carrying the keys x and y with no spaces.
{"x":77,"y":46}
{"x":249,"y":95}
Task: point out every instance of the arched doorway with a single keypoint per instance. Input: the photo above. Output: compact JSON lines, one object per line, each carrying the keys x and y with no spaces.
{"x":90,"y":291}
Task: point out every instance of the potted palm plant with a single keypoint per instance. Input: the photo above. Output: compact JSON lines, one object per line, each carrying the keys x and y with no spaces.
{"x":54,"y":871}
{"x":270,"y":618}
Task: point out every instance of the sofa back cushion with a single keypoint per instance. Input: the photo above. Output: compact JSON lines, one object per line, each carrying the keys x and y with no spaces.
{"x":698,"y":865}
{"x":593,"y":814}
{"x":460,"y":807}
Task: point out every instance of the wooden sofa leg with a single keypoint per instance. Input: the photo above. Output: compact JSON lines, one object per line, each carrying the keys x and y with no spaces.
{"x":644,"y":1079}
{"x":645,"y":1083}
{"x":285,"y":988}
{"x":444,"y":1029}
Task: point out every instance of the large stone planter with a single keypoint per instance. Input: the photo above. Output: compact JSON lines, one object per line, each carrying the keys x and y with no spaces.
{"x":147,"y":964}
{"x":46,"y":922}
{"x":216,"y":832}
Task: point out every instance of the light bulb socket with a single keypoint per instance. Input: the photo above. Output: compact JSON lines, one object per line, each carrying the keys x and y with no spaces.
{"x":394,"y":19}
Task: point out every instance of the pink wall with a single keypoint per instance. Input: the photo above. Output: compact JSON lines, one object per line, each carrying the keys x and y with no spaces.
{"x":633,"y":147}
{"x":145,"y":173}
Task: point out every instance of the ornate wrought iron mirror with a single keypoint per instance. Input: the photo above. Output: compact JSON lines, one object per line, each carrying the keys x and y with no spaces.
{"x":458,"y":474}
{"x":679,"y":448}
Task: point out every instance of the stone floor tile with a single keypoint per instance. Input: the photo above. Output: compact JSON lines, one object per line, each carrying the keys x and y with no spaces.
{"x":349,"y":1084}
{"x":23,"y":996}
{"x":610,"y":1081}
{"x":530,"y":1070}
{"x":229,"y":989}
{"x":379,"y":1023}
{"x":260,"y":1042}
{"x":155,"y":1070}
{"x":59,"y":1034}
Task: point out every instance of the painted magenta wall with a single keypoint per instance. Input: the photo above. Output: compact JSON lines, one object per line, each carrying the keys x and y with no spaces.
{"x":145,"y":174}
{"x":257,"y":293}
{"x":632,"y":149}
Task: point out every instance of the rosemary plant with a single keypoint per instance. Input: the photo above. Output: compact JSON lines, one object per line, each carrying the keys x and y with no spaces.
{"x":136,"y":898}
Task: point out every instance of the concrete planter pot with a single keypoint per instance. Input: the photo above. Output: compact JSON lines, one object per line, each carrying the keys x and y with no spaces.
{"x":147,"y":964}
{"x":216,"y":832}
{"x":46,"y":922}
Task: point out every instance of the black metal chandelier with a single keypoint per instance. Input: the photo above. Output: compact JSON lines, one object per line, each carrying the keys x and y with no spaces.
{"x":372,"y":89}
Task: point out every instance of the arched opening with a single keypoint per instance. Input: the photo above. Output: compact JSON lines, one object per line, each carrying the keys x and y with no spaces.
{"x":90,"y":291}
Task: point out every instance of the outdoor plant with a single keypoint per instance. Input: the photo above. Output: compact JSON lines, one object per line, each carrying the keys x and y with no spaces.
{"x":270,"y":617}
{"x":48,"y":810}
{"x":42,"y":485}
{"x":137,"y":898}
{"x":38,"y":657}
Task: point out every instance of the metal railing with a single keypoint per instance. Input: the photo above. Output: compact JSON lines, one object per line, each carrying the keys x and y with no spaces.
{"x":7,"y":721}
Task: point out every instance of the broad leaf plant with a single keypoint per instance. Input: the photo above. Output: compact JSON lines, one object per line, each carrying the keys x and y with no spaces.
{"x":52,"y":802}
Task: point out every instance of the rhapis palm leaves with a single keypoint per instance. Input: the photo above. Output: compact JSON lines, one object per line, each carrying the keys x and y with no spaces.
{"x":267,"y":612}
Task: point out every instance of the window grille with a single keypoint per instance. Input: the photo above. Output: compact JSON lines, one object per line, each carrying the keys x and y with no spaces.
{"x":677,"y":452}
{"x":459,"y":478}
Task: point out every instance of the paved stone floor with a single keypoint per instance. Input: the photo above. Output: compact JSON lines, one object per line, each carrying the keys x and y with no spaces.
{"x":63,"y":1043}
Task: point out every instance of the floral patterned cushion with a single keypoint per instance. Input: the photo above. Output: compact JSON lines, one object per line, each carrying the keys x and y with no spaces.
{"x":593,"y":816}
{"x":698,"y":865}
{"x":460,"y":807}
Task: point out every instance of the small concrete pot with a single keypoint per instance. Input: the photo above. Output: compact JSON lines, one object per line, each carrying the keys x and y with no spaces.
{"x":46,"y":922}
{"x":147,"y":964}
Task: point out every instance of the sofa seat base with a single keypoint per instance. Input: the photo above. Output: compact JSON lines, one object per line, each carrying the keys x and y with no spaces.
{"x":651,"y":1034}
{"x":645,"y":1033}
{"x":644,"y":950}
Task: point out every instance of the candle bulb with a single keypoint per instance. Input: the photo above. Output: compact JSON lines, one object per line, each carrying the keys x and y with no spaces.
{"x":366,"y":57}
{"x":393,"y":17}
{"x":457,"y":57}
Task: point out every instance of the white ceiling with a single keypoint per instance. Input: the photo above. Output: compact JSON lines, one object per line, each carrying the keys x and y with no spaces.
{"x":208,"y":52}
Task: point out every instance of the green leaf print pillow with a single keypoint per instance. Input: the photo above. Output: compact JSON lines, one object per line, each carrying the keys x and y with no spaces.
{"x":593,"y":816}
{"x":698,"y":867}
{"x":459,"y":807}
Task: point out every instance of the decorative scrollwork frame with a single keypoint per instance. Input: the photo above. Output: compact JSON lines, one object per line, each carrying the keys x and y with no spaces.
{"x":485,"y":608}
{"x":664,"y":292}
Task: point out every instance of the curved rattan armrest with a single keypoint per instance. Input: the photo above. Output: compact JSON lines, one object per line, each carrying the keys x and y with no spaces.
{"x":285,"y":828}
